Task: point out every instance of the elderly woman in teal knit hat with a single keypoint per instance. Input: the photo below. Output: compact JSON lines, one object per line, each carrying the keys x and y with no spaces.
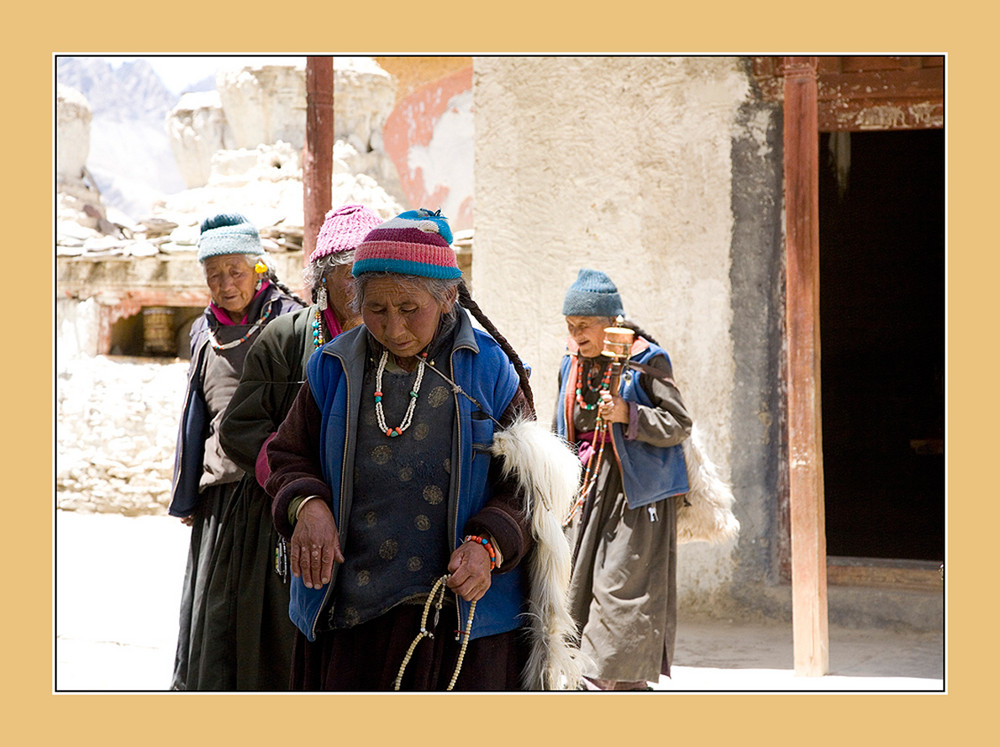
{"x":245,"y":296}
{"x":246,"y":635}
{"x":623,"y":528}
{"x":412,"y":536}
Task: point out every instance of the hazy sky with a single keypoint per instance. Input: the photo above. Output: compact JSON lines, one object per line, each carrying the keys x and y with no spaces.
{"x":179,"y":71}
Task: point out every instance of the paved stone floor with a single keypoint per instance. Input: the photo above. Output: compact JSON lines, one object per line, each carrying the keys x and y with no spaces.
{"x":727,"y":656}
{"x":118,"y":583}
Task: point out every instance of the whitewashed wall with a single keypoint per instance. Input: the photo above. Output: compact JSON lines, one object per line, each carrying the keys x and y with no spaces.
{"x":622,"y":164}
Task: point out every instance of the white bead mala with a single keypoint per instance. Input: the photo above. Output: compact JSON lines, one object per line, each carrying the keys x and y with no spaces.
{"x":439,"y":589}
{"x":380,"y":414}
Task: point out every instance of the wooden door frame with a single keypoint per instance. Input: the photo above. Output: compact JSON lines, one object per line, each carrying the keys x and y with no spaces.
{"x":825,"y":94}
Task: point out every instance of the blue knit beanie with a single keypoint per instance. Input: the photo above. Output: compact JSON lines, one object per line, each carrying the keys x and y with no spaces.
{"x":593,"y":294}
{"x":228,"y":233}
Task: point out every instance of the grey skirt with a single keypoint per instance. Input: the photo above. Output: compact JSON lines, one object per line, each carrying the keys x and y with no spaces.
{"x":623,"y":589}
{"x":204,"y":531}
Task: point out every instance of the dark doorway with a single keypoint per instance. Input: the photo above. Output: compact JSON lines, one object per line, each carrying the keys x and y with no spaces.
{"x":882,"y":338}
{"x":157,"y":331}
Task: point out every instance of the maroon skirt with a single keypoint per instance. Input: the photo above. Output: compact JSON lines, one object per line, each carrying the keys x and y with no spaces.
{"x":368,"y":657}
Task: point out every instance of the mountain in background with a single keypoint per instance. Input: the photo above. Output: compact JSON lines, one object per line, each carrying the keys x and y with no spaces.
{"x":130,"y":155}
{"x":205,"y":84}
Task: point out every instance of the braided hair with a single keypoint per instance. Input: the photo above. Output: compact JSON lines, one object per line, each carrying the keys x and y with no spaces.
{"x":465,"y":298}
{"x":273,"y":278}
{"x":639,"y":331}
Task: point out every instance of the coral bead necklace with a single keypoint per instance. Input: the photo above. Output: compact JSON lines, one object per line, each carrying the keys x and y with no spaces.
{"x":216,"y":345}
{"x":604,"y":386}
{"x":408,"y":417}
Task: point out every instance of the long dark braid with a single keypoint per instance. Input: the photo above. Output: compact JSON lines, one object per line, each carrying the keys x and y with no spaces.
{"x":282,"y":287}
{"x":465,"y":298}
{"x":639,"y":331}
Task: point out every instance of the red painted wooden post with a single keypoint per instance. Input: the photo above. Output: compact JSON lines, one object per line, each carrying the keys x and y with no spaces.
{"x":805,"y":442}
{"x":317,"y":156}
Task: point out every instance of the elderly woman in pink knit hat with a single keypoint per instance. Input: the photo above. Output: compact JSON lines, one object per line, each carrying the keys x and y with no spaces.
{"x":244,"y":637}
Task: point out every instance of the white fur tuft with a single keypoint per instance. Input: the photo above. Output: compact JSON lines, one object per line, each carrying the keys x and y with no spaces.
{"x":707,"y":513}
{"x":548,"y":473}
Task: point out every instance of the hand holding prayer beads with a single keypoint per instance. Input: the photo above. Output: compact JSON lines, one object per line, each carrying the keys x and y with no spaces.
{"x":613,"y":409}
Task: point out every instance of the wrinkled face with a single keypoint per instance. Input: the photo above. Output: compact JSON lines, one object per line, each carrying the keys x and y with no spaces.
{"x":403,"y":317}
{"x":588,"y":333}
{"x":340,"y":291}
{"x":232,"y":283}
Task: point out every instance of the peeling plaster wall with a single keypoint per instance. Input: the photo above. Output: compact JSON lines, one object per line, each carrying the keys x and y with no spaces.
{"x":624,"y":165}
{"x":429,"y":137}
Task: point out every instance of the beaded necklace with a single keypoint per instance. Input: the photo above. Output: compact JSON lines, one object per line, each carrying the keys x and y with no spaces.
{"x":604,"y":386}
{"x":227,"y":345}
{"x":593,"y":467}
{"x":317,"y":327}
{"x":408,"y":418}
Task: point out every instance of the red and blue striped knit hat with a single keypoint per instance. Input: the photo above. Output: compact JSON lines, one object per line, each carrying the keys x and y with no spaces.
{"x":417,"y":242}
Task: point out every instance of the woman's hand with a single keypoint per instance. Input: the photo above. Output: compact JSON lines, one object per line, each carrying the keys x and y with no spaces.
{"x":613,"y":409}
{"x":315,"y":544}
{"x":188,"y":521}
{"x":469,"y":567}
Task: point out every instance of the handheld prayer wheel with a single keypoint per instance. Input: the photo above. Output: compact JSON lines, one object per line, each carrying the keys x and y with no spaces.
{"x":617,"y":342}
{"x":617,"y":347}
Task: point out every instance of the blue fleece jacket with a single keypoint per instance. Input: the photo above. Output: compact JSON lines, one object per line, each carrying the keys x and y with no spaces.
{"x":482,"y":369}
{"x":649,"y":473}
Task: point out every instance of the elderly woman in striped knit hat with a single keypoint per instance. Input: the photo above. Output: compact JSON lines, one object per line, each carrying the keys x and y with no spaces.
{"x":246,"y":636}
{"x":246,"y":295}
{"x":420,"y":497}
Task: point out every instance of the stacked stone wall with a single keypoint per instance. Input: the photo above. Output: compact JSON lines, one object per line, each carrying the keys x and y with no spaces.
{"x":116,"y":434}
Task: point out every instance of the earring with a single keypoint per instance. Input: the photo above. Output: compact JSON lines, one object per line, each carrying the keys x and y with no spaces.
{"x":321,"y":298}
{"x":260,"y":268}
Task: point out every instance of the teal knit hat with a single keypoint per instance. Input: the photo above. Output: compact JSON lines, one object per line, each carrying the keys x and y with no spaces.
{"x":593,"y":294}
{"x":228,"y":233}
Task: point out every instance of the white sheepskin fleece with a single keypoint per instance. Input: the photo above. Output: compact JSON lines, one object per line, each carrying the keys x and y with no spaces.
{"x":548,"y":474}
{"x":707,"y":512}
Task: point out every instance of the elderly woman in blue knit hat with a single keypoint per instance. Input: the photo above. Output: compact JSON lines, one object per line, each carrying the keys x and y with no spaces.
{"x":400,"y":479}
{"x":245,"y":295}
{"x":623,"y":528}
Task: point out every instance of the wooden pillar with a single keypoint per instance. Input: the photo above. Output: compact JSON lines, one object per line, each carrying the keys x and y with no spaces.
{"x":805,"y":442}
{"x":317,"y":157}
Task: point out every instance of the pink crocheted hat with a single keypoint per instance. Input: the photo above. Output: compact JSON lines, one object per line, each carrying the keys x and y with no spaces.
{"x":417,"y":242}
{"x":343,"y":229}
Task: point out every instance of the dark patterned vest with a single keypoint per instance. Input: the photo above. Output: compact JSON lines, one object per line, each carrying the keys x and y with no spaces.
{"x":397,"y":541}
